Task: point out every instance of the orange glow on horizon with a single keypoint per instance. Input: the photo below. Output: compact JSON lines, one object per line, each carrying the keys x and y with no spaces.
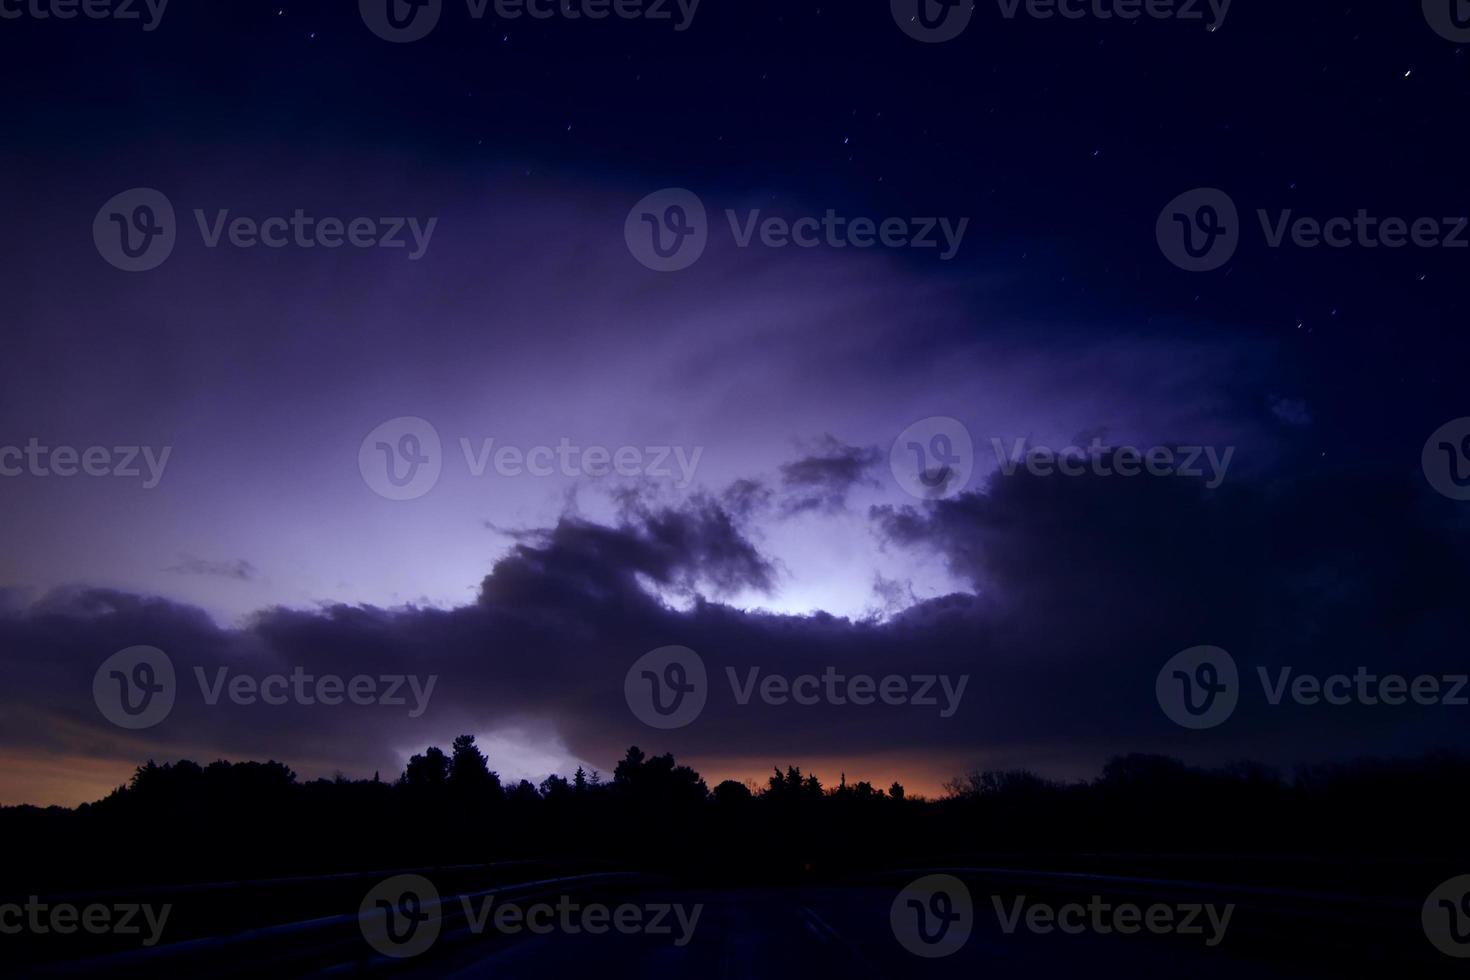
{"x":70,"y":780}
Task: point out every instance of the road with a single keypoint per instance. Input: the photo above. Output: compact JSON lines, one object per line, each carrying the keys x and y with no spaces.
{"x":831,"y":932}
{"x":609,"y":924}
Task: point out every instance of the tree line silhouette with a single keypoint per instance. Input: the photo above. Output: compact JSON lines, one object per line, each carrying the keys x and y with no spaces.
{"x":182,"y":821}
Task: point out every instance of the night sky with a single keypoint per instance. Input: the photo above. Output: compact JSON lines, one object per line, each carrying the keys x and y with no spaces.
{"x":520,"y":150}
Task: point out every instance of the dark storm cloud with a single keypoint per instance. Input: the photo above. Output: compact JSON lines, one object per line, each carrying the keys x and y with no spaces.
{"x":696,"y":544}
{"x":745,"y":497}
{"x":237,"y":569}
{"x":1092,"y":582}
{"x":822,"y":479}
{"x":1083,"y":587}
{"x":894,"y":594}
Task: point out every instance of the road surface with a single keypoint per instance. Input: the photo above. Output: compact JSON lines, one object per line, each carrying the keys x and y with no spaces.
{"x":764,"y":934}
